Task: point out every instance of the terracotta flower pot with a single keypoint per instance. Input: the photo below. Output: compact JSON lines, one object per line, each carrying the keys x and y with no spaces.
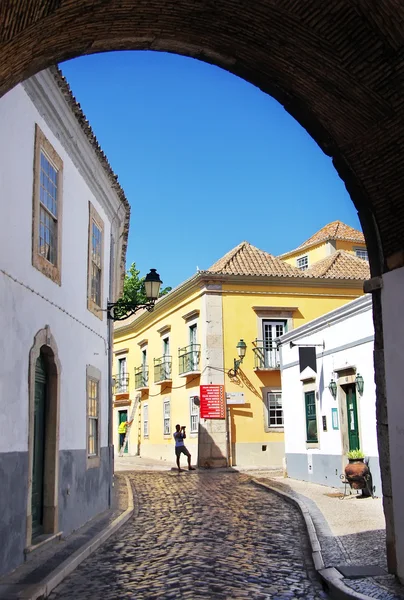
{"x":355,"y":472}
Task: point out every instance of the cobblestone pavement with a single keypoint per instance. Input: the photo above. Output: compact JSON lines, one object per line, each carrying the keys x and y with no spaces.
{"x":200,"y":535}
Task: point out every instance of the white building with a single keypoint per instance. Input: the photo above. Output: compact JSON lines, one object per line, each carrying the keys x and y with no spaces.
{"x":321,"y":426}
{"x":63,"y":234}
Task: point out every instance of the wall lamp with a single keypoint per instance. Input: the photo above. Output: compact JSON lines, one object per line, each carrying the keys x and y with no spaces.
{"x":241,"y":350}
{"x":332,"y":386}
{"x":359,"y":383}
{"x":123,"y":309}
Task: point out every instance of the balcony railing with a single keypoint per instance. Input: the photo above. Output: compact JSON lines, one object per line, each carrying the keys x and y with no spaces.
{"x":162,"y":369}
{"x":141,"y":377}
{"x":266,"y":355}
{"x":188,"y":359}
{"x":121,"y":383}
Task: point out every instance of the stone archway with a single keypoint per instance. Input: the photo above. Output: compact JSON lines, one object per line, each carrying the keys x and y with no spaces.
{"x":335,"y":66}
{"x":44,"y":346}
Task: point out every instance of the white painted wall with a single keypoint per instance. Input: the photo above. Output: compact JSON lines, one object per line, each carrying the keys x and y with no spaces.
{"x":393,"y":332}
{"x":337,"y":329}
{"x":28,"y":299}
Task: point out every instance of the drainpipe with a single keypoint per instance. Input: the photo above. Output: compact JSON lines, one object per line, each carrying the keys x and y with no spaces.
{"x":110,"y":346}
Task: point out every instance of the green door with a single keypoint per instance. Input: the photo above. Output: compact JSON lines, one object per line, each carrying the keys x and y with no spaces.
{"x":352,"y":412}
{"x":39,"y":447}
{"x":123,"y":417}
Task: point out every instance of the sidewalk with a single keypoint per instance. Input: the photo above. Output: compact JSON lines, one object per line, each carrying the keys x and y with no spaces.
{"x":350,"y":531}
{"x":46,"y":567}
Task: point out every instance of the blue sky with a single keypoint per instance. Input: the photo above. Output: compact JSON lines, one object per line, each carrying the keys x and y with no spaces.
{"x":206,"y":160}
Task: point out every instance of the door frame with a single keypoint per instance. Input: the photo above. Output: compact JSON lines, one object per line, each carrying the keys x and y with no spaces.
{"x":44,"y":343}
{"x":346,"y":377}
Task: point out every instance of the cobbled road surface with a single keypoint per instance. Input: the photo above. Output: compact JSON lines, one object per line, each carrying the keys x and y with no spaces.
{"x":200,"y":535}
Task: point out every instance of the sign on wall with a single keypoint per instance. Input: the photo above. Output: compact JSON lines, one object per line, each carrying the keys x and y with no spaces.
{"x":235,"y":398}
{"x":212,"y":402}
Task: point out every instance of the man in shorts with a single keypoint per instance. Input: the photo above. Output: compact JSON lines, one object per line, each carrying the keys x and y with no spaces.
{"x":180,"y":448}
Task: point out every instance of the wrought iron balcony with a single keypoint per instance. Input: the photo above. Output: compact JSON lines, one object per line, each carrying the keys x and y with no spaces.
{"x":121,"y":383}
{"x":188,"y":359}
{"x":266,"y":355}
{"x":141,"y":377}
{"x":162,"y":369}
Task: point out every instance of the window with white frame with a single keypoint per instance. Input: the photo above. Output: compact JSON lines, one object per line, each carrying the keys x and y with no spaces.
{"x":167,"y":417}
{"x":303,"y":262}
{"x":145,"y":420}
{"x":362,"y":253}
{"x":274,"y":408}
{"x":194,"y":415}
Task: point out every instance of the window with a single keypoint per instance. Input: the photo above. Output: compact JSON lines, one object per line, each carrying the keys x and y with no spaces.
{"x":95,"y":262}
{"x":311,"y":417}
{"x":47,"y":208}
{"x":166,"y":366}
{"x":275,"y":411}
{"x":123,"y":379}
{"x":93,"y":416}
{"x":167,"y":418}
{"x":271,"y":330}
{"x":303,"y":263}
{"x":361,"y":253}
{"x":145,"y":420}
{"x":194,"y":411}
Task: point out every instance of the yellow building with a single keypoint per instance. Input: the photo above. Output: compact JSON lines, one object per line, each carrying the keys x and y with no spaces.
{"x":163,"y":357}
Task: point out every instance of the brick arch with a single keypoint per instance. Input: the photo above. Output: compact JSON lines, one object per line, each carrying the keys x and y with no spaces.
{"x":335,"y":66}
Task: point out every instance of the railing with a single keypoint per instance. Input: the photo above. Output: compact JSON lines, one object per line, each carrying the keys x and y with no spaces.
{"x":188,"y":358}
{"x":266,"y":355}
{"x":162,"y":369}
{"x":121,"y":383}
{"x":141,"y":377}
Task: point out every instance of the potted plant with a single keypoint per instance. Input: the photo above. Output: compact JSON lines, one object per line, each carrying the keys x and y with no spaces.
{"x":356,"y":470}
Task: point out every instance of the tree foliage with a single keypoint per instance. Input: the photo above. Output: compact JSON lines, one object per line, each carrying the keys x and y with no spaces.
{"x":133,"y":291}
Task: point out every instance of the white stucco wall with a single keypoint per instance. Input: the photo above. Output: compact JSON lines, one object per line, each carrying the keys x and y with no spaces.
{"x":393,"y":332}
{"x":80,"y":336}
{"x":336,"y":332}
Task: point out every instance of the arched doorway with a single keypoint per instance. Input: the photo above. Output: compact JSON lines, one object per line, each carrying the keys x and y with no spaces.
{"x":43,"y":445}
{"x":334,"y":66}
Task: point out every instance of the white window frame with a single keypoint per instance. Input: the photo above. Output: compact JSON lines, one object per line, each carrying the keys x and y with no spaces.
{"x":193,"y":416}
{"x":302,"y":262}
{"x":361,"y":251}
{"x":145,"y":420}
{"x":167,"y":417}
{"x":267,"y":401}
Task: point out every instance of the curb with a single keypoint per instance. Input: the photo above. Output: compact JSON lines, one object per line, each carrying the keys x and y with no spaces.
{"x":44,"y":588}
{"x":331,"y":578}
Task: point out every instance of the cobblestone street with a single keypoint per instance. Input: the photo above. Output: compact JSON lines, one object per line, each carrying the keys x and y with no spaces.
{"x":200,"y":535}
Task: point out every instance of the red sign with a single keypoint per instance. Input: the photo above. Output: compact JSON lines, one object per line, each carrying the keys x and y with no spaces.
{"x":212,"y":401}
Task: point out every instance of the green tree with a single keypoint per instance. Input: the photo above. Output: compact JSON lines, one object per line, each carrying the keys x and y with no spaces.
{"x":133,"y":291}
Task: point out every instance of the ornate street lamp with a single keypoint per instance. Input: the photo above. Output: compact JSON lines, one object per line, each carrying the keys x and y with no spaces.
{"x":152,"y":285}
{"x":332,"y":386}
{"x":359,"y":383}
{"x":241,"y":350}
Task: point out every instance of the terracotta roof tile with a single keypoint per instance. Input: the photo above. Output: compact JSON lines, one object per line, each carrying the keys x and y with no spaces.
{"x":334,"y":231}
{"x":340,"y":265}
{"x":246,"y":259}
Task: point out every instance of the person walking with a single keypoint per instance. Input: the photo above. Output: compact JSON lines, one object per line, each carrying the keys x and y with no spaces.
{"x":180,"y":448}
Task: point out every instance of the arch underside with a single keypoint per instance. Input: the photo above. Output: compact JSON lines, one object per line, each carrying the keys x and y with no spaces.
{"x":336,"y":66}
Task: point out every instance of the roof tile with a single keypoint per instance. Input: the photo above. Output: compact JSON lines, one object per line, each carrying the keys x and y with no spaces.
{"x":246,"y":259}
{"x":334,"y":231}
{"x":340,"y":265}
